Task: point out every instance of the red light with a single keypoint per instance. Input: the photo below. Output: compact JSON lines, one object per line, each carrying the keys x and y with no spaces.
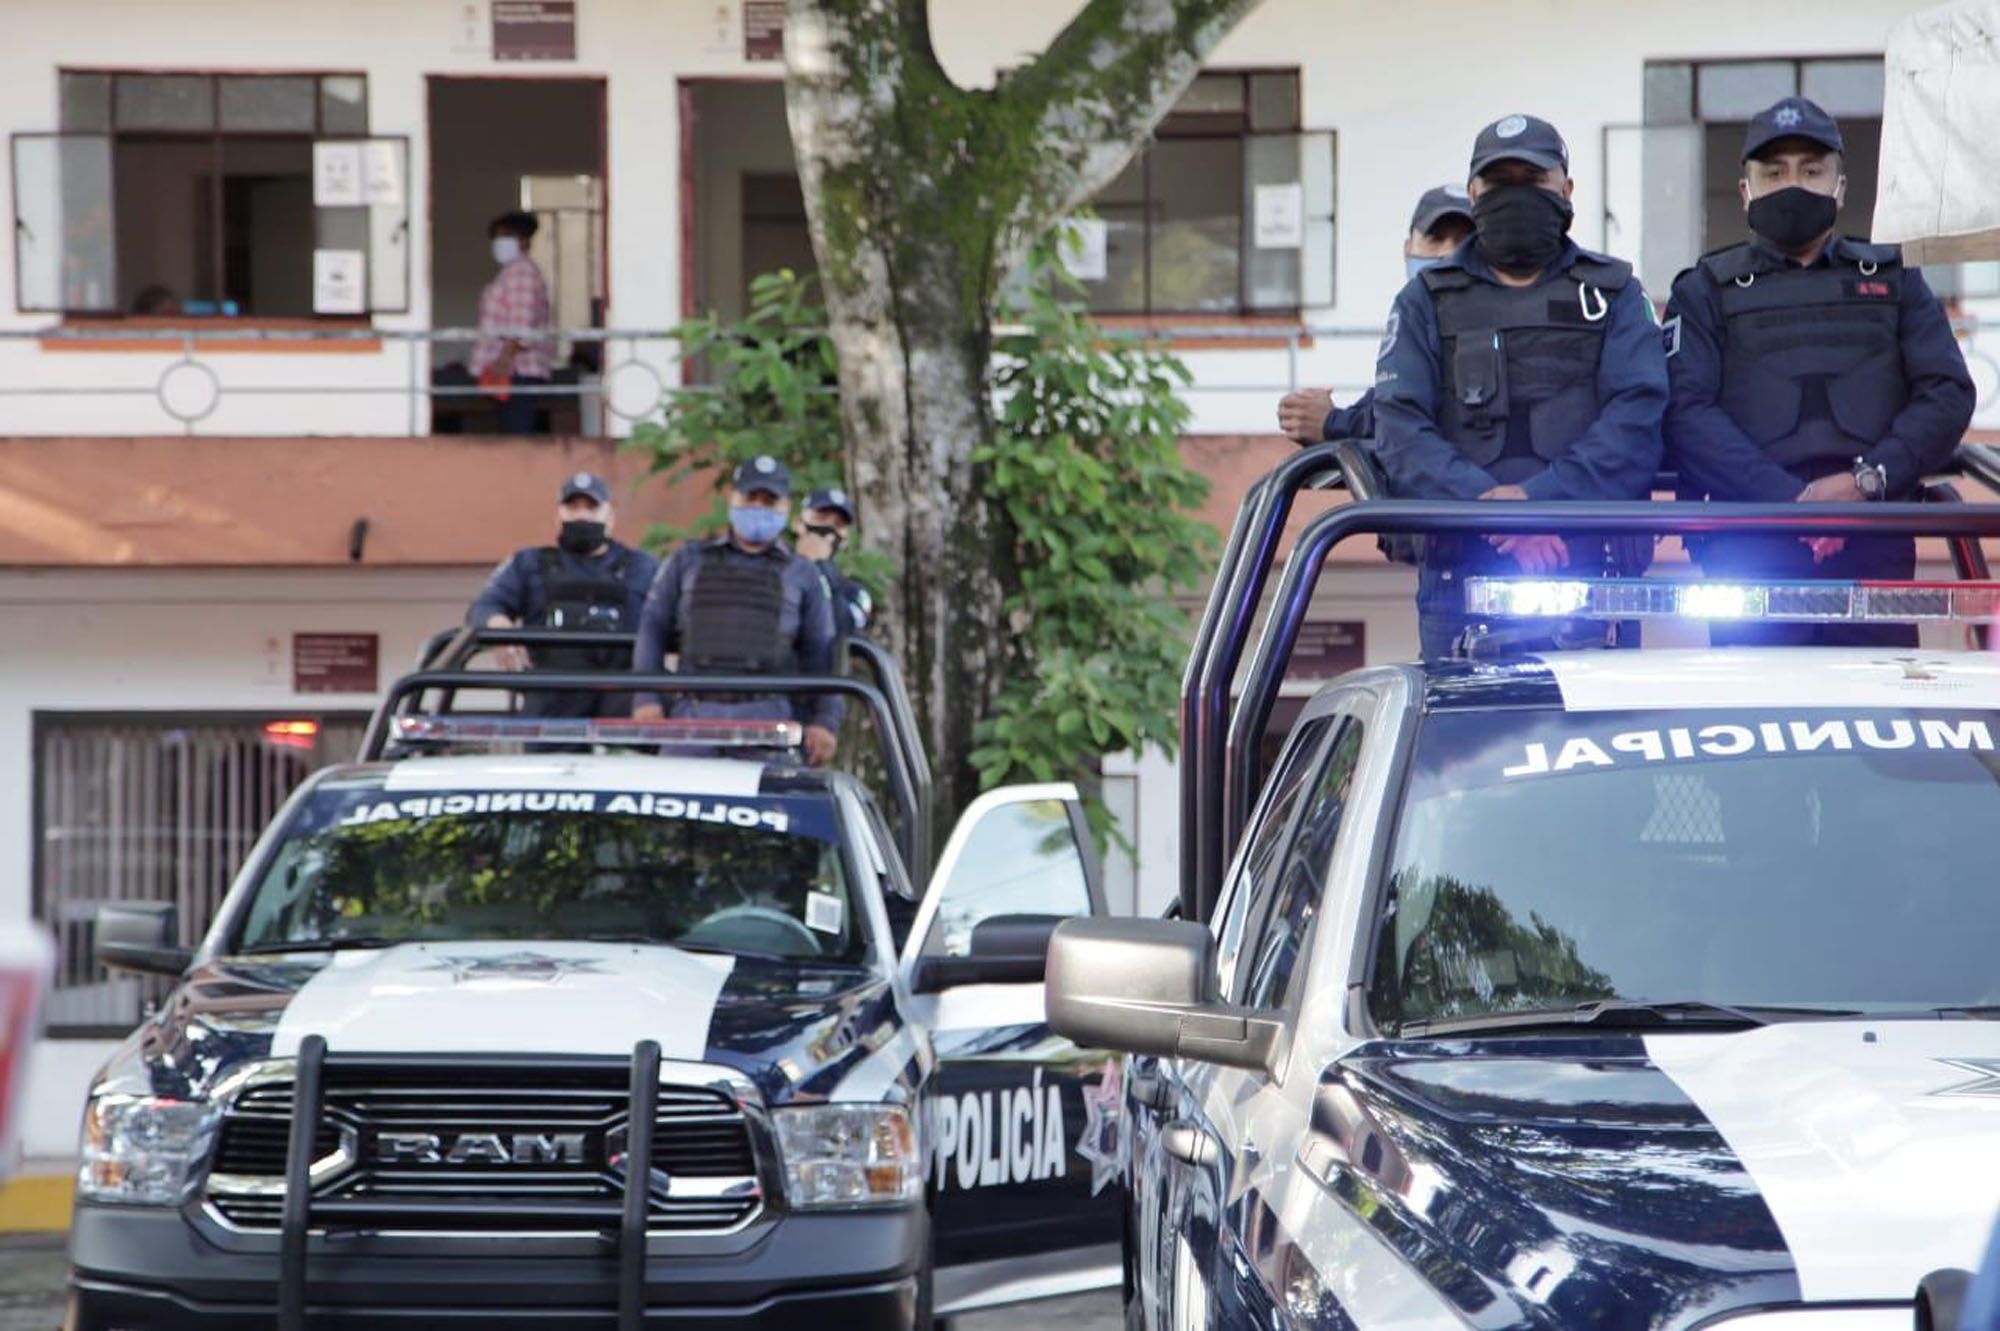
{"x":292,"y":734}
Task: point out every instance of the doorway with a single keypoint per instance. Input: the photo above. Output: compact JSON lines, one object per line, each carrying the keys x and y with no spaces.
{"x":748,"y":213}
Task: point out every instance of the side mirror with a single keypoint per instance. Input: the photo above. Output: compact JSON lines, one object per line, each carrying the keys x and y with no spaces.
{"x":141,"y":936}
{"x":1004,"y":949}
{"x":1148,"y":987}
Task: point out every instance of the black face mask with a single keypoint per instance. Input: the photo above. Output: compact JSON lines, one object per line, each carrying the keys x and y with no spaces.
{"x":834,"y":536}
{"x":1521,"y":227}
{"x":580,"y":538}
{"x":1793,"y":218}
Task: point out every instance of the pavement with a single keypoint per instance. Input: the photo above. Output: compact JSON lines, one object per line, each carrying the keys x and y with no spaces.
{"x":31,"y":1282}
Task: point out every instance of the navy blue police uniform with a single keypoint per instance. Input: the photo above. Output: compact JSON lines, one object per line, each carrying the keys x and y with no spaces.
{"x":1784,"y":374}
{"x":853,"y":607}
{"x":726,"y":610}
{"x":1557,"y":387}
{"x":554,"y":587}
{"x":1439,"y":204}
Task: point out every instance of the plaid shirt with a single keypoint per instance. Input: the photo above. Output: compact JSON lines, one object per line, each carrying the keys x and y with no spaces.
{"x":517,"y":297}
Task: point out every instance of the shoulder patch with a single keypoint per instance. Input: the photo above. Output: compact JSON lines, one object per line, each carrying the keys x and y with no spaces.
{"x":1670,"y":335}
{"x":1390,"y":329}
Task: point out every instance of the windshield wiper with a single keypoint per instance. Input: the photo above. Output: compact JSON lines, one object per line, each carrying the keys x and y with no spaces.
{"x":1976,"y":1011}
{"x":1623,"y":1014}
{"x":356,"y":943}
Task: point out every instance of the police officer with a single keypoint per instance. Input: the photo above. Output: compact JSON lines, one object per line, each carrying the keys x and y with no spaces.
{"x":825,"y":524}
{"x":585,"y":580}
{"x":1808,"y":366}
{"x":742,"y":603}
{"x":1440,"y":224}
{"x":1521,"y":367}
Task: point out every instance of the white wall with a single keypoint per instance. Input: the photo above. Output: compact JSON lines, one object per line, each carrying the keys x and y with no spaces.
{"x":1405,"y":106}
{"x":170,"y":640}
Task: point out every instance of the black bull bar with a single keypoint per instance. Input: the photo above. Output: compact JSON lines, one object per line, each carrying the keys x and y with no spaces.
{"x":1219,"y":776}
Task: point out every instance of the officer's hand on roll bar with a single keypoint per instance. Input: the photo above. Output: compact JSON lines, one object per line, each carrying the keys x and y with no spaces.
{"x":820,"y":745}
{"x":1835,"y":489}
{"x":513,"y":656}
{"x":649,"y":711}
{"x":1537,"y":555}
{"x":1302,"y":414}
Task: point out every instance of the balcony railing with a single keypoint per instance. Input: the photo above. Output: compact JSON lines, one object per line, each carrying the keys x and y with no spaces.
{"x":624,"y":382}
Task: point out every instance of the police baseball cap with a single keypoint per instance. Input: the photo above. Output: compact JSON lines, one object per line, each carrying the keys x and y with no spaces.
{"x":1792,"y":118}
{"x":1518,"y":138}
{"x":585,"y":483}
{"x":834,"y":498}
{"x":1438,"y":204}
{"x":763,"y":473}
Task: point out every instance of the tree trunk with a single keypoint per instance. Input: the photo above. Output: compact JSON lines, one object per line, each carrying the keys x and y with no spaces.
{"x":921,"y":197}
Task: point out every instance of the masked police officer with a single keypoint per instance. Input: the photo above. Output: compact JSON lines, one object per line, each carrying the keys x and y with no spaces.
{"x":1440,"y":224}
{"x":585,"y":580}
{"x":824,"y":527}
{"x":1521,"y":367}
{"x":744,"y":604}
{"x":1812,"y":367}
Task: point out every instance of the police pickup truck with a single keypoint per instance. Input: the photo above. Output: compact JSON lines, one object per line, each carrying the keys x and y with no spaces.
{"x":1624,"y":989}
{"x":459,"y":1000}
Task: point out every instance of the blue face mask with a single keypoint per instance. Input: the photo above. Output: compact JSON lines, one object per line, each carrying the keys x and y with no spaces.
{"x":756,"y":526}
{"x":1416,"y":263}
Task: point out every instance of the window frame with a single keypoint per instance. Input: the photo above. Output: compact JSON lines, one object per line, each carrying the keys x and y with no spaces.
{"x":42,"y":722}
{"x":1210,"y":126}
{"x":216,"y":136}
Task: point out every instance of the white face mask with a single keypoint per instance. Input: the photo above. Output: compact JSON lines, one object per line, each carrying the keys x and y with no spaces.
{"x":506,"y":249}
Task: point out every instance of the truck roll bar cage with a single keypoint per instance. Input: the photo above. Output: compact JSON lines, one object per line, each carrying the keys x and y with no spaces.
{"x":1219,"y":740}
{"x":910,"y":786}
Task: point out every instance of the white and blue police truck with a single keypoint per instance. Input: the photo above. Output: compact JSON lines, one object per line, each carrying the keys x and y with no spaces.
{"x":1612,"y":988}
{"x":552,"y":1023}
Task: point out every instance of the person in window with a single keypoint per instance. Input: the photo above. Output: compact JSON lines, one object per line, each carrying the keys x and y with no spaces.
{"x":1521,"y":367}
{"x":586,"y":581}
{"x":514,"y":347}
{"x":1440,"y":224}
{"x":744,"y":604}
{"x":1808,"y":366}
{"x":828,"y":518}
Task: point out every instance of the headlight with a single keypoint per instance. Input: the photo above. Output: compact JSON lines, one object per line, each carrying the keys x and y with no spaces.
{"x":848,"y":1155}
{"x":142,"y":1149}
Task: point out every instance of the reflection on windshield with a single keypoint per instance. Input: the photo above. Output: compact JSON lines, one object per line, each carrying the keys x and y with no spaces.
{"x":757,"y":875}
{"x":1547,"y":859}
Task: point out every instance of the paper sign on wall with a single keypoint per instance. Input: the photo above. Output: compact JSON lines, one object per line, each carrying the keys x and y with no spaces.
{"x":337,"y":175}
{"x":1085,"y":248}
{"x":1280,"y":222}
{"x":381,"y":173}
{"x":338,"y":282}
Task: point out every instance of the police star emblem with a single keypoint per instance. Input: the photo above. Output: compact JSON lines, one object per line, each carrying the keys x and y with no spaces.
{"x":1985,"y":1082}
{"x":514,"y":966}
{"x":1103,"y":1139}
{"x":1786,"y":117}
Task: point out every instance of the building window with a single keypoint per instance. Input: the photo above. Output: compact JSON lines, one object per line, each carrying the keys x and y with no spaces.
{"x":1227,"y":210}
{"x":154,"y":808}
{"x":1696,"y":113}
{"x":195,"y":195}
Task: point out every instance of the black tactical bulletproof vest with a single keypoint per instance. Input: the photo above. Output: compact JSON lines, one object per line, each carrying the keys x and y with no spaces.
{"x":731,"y":612}
{"x":1519,"y":364}
{"x":574,"y":599}
{"x":1812,"y":364}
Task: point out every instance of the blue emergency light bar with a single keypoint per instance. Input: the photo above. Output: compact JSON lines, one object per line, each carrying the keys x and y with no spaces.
{"x":707,"y":734}
{"x":1785,"y":602}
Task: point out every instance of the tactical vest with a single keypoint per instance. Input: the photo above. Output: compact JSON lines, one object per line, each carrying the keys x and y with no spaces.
{"x":1524,"y":357}
{"x":1812,"y":364}
{"x":730,"y":614}
{"x":592,"y":600}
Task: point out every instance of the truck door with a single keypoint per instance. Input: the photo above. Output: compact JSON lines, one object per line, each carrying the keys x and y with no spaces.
{"x":1024,"y":1130}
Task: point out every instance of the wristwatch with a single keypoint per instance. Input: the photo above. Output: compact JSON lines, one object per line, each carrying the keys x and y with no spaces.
{"x":1871,"y":478}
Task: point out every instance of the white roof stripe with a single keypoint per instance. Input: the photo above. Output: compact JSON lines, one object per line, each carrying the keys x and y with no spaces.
{"x":1796,"y":678}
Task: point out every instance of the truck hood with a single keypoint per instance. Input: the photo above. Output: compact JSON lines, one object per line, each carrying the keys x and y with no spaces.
{"x":796,"y":1029}
{"x":1679,"y":1175}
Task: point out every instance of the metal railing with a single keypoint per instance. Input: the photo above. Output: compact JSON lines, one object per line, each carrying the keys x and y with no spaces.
{"x":626,"y":386}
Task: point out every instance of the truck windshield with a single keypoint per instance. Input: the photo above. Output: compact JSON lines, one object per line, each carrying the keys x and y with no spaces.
{"x":1816,"y":858}
{"x":367,"y":866}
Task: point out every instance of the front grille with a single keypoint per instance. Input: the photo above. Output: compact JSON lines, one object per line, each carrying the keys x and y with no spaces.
{"x":487,"y":1148}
